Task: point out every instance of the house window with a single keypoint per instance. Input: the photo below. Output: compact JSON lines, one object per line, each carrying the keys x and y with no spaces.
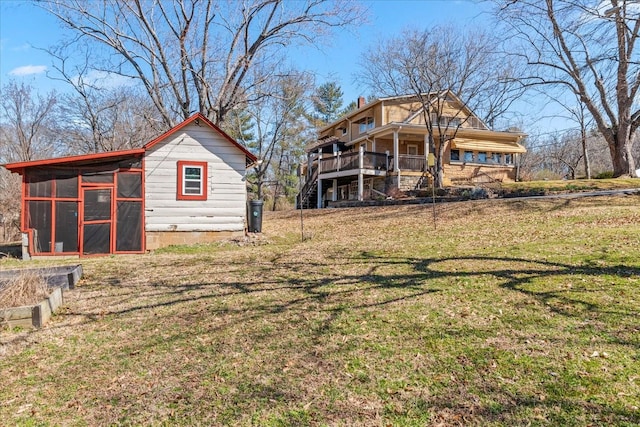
{"x":192,"y":181}
{"x":444,"y":122}
{"x":482,"y":157}
{"x":412,"y":149}
{"x":344,"y":131}
{"x":468,"y":156}
{"x":455,"y":155}
{"x":366,"y":124}
{"x":508,"y":159}
{"x":496,"y":158}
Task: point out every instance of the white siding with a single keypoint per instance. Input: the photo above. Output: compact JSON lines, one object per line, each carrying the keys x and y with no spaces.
{"x":225,"y":207}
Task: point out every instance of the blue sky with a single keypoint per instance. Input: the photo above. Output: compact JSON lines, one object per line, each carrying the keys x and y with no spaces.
{"x":25,"y":30}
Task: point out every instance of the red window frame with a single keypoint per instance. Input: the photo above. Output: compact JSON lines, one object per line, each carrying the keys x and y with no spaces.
{"x":181,"y":195}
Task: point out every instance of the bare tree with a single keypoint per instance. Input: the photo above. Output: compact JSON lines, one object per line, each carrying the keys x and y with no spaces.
{"x":577,"y":113}
{"x":581,"y":117}
{"x":27,"y":132}
{"x":27,"y":120}
{"x":588,"y":49}
{"x":98,"y":114}
{"x":567,"y":153}
{"x":279,"y":134}
{"x":9,"y":205}
{"x":199,"y":55}
{"x":108,"y":120}
{"x":435,"y":64}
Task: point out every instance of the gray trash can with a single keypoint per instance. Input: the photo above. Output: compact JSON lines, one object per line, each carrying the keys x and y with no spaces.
{"x":255,"y":216}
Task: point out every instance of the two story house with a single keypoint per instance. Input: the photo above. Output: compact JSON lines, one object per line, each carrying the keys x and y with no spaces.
{"x":385,"y":145}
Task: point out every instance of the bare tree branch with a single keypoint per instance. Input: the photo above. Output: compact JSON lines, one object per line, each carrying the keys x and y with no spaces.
{"x":198,"y":54}
{"x":590,"y":49}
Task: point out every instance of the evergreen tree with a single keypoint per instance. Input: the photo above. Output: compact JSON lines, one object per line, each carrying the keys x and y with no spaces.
{"x":327,"y":102}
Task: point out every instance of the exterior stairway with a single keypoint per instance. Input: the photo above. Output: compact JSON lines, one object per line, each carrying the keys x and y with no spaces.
{"x":308,"y":196}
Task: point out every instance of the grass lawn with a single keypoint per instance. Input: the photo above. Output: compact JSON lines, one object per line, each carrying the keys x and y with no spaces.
{"x":509,"y":312}
{"x":572,"y":185}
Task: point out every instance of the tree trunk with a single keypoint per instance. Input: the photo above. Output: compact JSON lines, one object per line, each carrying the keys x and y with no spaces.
{"x":439,"y":175}
{"x":585,"y":152}
{"x":620,"y":149}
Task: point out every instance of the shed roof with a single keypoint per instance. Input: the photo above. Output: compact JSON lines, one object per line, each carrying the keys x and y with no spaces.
{"x":93,"y":158}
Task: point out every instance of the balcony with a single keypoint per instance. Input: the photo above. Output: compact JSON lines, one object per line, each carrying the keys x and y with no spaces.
{"x":352,"y":161}
{"x":408,"y":162}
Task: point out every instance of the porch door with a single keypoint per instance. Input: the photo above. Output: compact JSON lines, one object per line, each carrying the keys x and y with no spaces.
{"x":97,"y":220}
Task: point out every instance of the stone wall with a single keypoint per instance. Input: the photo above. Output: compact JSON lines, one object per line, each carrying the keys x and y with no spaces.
{"x":466,"y":173}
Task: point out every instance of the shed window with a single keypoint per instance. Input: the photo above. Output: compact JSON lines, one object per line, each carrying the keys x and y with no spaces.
{"x":192,"y":181}
{"x":455,"y":155}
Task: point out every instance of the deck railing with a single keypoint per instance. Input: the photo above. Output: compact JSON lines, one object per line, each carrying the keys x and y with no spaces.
{"x":410,"y":162}
{"x":371,"y":160}
{"x":351,"y":161}
{"x":379,"y":161}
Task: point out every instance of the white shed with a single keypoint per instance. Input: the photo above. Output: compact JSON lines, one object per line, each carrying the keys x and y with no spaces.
{"x":186,"y":186}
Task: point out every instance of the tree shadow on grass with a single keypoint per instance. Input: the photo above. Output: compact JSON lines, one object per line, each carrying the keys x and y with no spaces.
{"x":356,"y":283}
{"x":298,"y":286}
{"x":307,"y":284}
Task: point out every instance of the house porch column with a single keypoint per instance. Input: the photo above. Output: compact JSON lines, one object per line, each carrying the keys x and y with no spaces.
{"x":396,"y":155}
{"x":334,"y":196}
{"x":396,"y":151}
{"x":360,"y":177}
{"x":426,"y":151}
{"x":319,"y":199}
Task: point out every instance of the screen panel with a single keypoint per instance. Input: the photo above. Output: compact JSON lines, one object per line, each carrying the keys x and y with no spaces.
{"x":39,"y":220}
{"x":66,"y":227}
{"x":130,"y":185}
{"x":129,"y":227}
{"x":97,"y":205}
{"x":96,"y":239}
{"x":67,"y":186}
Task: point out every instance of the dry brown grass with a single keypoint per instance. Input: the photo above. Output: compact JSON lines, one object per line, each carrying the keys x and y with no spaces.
{"x":24,"y":289}
{"x":508,"y":313}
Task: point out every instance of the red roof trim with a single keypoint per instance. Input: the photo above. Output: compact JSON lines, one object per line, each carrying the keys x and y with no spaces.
{"x":200,"y":116}
{"x":14,"y":167}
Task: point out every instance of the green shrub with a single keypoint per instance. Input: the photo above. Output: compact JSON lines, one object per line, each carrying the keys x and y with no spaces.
{"x":604,"y":175}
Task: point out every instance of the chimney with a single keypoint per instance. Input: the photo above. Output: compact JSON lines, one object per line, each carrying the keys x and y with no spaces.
{"x":361,"y":101}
